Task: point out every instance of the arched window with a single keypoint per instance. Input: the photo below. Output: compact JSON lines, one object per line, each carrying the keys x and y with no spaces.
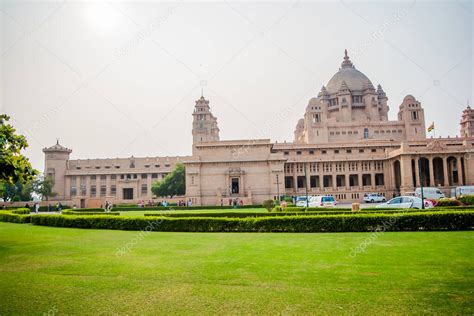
{"x":366,"y":133}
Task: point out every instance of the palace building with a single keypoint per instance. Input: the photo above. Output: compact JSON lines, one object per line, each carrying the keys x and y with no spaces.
{"x":344,"y":146}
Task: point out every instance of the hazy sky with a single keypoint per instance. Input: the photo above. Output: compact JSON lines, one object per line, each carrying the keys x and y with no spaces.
{"x":115,"y":79}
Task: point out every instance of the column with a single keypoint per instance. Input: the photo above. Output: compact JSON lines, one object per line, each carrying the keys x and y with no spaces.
{"x":405,"y":172}
{"x":308,"y":176}
{"x":417,"y":172}
{"x":295,"y":178}
{"x":432,"y":180}
{"x":460,"y":173}
{"x":445,"y":172}
{"x":107,"y":185}
{"x":148,"y":183}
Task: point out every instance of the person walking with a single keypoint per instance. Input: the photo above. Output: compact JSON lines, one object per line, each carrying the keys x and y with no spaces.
{"x":37,"y":208}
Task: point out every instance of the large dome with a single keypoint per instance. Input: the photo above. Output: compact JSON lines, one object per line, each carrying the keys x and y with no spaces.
{"x":354,"y":79}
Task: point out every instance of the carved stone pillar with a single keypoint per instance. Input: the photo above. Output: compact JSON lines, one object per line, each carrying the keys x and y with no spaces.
{"x":432,"y":179}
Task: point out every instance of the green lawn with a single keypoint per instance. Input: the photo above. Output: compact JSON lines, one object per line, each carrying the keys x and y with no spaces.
{"x":243,"y":210}
{"x":65,"y":271}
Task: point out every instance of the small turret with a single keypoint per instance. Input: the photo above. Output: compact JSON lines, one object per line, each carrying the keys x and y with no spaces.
{"x":55,"y":167}
{"x":205,"y":127}
{"x":467,"y":122}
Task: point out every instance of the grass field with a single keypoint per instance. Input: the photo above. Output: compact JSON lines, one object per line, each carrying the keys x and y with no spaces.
{"x":64,"y":271}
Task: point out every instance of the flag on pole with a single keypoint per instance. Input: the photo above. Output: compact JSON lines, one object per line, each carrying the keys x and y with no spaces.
{"x":431,"y":127}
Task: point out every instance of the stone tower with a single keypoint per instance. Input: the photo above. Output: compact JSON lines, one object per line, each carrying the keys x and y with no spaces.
{"x":55,"y":166}
{"x":467,"y":122}
{"x":413,"y":115}
{"x":205,"y":127}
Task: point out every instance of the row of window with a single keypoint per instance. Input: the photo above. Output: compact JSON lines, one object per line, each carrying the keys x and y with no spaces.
{"x":132,"y":165}
{"x":121,"y":176}
{"x":103,"y":190}
{"x":338,"y":166}
{"x":325,"y":151}
{"x":327,"y":181}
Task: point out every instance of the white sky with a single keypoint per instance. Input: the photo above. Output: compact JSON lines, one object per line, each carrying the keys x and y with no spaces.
{"x":115,"y":79}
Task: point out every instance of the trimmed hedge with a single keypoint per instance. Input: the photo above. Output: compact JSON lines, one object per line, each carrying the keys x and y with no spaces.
{"x":184,"y":208}
{"x":86,"y":210}
{"x":467,"y":199}
{"x":447,"y":202}
{"x":23,"y":210}
{"x":320,"y":211}
{"x":410,"y":221}
{"x":74,"y":212}
{"x":6,"y":216}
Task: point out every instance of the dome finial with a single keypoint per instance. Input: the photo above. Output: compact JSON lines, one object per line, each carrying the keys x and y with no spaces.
{"x":346,"y":63}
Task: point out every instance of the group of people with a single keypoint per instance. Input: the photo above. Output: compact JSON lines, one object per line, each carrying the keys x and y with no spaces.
{"x":233,"y":202}
{"x":152,"y":203}
{"x":36,"y":207}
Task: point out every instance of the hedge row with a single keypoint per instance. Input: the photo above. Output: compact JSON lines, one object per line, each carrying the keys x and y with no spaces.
{"x":75,"y":212}
{"x":185,"y":208}
{"x":320,"y":211}
{"x":441,"y":220}
{"x":87,"y":210}
{"x":23,"y":210}
{"x":6,"y":216}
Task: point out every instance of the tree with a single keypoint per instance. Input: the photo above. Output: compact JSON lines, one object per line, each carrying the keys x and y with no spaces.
{"x":43,"y":186}
{"x":14,"y":166}
{"x":17,"y":191}
{"x":173,"y":184}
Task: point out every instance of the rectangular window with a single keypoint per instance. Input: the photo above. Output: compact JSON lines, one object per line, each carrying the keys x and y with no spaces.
{"x":379,"y":179}
{"x":93,"y":191}
{"x":144,"y":176}
{"x":103,"y":190}
{"x":93,"y":177}
{"x":289,"y":182}
{"x":113,"y":190}
{"x":113,"y":177}
{"x":73,"y":191}
{"x":103,"y":177}
{"x":144,"y":189}
{"x":301,"y":181}
{"x":154,"y":175}
{"x":314,"y":181}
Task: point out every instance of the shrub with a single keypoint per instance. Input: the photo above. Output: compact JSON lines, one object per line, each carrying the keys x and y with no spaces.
{"x":87,"y":210}
{"x":467,"y":199}
{"x":268,"y":204}
{"x":6,"y":216}
{"x":23,"y":210}
{"x":447,"y":202}
{"x":74,"y":212}
{"x":408,"y":221}
{"x":184,"y":208}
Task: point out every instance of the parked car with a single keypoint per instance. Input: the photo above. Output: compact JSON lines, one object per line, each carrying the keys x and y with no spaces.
{"x":317,"y":201}
{"x":464,"y":190}
{"x":373,"y":198}
{"x":405,"y":202}
{"x":429,"y":193}
{"x":301,"y":201}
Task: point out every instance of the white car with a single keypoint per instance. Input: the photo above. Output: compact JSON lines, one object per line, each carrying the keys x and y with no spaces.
{"x":316,"y":201}
{"x":429,"y":193}
{"x":405,"y":202}
{"x":373,"y":198}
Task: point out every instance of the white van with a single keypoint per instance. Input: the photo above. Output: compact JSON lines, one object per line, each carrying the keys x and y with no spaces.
{"x":429,"y":193}
{"x":464,"y":190}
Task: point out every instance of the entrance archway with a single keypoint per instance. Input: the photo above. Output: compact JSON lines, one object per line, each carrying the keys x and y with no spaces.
{"x":398,"y":174}
{"x":424,"y":167}
{"x":438,"y":171}
{"x":453,"y":175}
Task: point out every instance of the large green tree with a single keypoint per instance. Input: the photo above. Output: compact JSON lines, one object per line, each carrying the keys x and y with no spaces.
{"x":173,"y":184}
{"x":17,"y":192}
{"x":14,"y":166}
{"x":43,"y":186}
